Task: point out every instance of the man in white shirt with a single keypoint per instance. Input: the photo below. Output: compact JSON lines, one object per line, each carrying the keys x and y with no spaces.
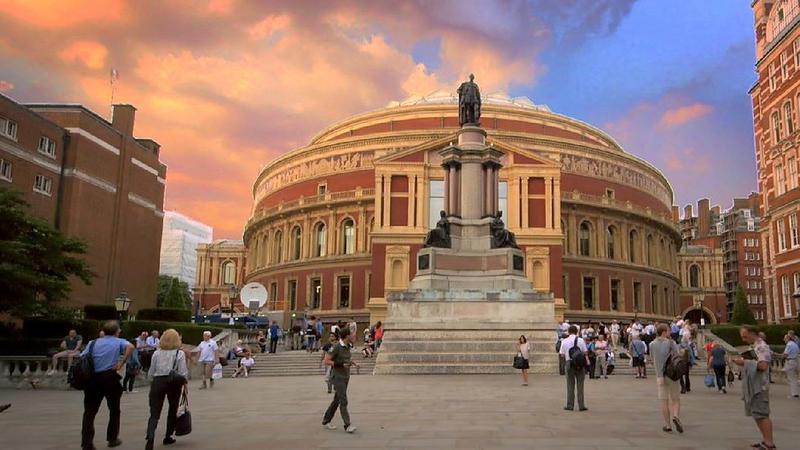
{"x":153,"y":340}
{"x":564,"y":328}
{"x":615,"y":329}
{"x":575,"y":373}
{"x":209,"y":355}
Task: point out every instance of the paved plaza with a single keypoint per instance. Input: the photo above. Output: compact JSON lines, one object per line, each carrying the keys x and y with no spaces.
{"x":425,"y":412}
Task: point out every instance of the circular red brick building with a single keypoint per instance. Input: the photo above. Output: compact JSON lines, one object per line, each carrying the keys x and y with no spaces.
{"x":337,"y":223}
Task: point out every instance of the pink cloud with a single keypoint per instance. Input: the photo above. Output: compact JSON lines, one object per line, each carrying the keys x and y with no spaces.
{"x":681,"y":115}
{"x":6,"y":86}
{"x":89,"y":53}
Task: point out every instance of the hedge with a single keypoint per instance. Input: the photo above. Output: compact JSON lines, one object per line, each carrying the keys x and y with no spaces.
{"x":27,"y":347}
{"x":775,"y":333}
{"x":100,"y":312}
{"x":165,"y":314}
{"x":58,"y":328}
{"x":190,"y":333}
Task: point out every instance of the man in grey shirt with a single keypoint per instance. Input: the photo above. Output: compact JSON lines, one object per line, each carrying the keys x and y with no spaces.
{"x":660,"y":350}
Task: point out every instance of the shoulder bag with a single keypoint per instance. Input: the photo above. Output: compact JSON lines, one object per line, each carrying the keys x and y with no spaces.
{"x":183,"y":421}
{"x":174,"y":378}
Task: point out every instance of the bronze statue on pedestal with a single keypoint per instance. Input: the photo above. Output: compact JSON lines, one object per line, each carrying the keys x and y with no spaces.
{"x":501,"y":237}
{"x":469,"y":103}
{"x":439,"y":236}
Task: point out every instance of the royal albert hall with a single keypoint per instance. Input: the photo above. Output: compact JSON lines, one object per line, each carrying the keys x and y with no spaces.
{"x":337,"y":224}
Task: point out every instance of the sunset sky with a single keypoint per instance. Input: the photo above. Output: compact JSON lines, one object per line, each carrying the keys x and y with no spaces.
{"x":226,"y":85}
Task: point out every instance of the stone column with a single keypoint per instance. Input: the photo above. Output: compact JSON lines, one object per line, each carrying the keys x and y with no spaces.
{"x":455,"y":190}
{"x":488,"y":177}
{"x":446,"y":203}
{"x":524,"y":203}
{"x":471,"y":190}
{"x":495,"y":171}
{"x":548,"y":202}
{"x":453,"y":198}
{"x":557,"y":202}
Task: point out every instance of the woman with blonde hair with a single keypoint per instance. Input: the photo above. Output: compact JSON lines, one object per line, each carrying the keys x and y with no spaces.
{"x":168,"y":371}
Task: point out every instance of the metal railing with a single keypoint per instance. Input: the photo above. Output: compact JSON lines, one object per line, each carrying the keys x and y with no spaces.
{"x":326,"y":198}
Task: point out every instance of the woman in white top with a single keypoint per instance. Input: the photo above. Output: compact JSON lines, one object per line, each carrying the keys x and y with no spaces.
{"x":524,"y":350}
{"x":169,"y":357}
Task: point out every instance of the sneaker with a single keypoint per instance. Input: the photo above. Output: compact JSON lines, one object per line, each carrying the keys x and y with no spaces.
{"x":115,"y":443}
{"x":169,"y":440}
{"x":678,"y":424}
{"x":724,"y":391}
{"x":51,"y":372}
{"x":350,"y":428}
{"x":329,"y":426}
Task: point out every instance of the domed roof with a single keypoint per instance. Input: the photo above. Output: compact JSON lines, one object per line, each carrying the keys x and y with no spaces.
{"x":442,"y":97}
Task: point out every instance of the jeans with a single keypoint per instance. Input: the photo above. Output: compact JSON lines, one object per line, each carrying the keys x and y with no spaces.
{"x":273,"y":344}
{"x":127,"y":382}
{"x":104,"y":385}
{"x":160,"y":389}
{"x":686,"y":384}
{"x":310,"y":340}
{"x":575,"y":379}
{"x":339,"y":401}
{"x":719,"y":372}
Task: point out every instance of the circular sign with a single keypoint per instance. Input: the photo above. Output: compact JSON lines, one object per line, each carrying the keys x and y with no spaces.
{"x":253,"y":294}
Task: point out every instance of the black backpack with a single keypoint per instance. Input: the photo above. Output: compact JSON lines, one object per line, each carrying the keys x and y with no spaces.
{"x":576,"y":356}
{"x":81,"y":371}
{"x":676,"y":366}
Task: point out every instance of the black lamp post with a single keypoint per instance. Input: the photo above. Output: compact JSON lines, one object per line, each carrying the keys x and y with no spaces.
{"x":123,"y":304}
{"x":233,"y":292}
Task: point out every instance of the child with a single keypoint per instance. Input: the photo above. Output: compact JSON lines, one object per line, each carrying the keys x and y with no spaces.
{"x":247,"y":363}
{"x":132,"y":368}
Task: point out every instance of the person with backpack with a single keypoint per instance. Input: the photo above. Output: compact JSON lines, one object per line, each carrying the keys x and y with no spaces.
{"x":104,"y":383}
{"x":575,"y":352}
{"x":638,"y":356}
{"x":664,"y":351}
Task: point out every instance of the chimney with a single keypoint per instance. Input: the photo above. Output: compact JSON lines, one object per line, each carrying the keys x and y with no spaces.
{"x":123,"y":117}
{"x":687,"y":212}
{"x":676,"y":214}
{"x":703,"y":217}
{"x":716,"y":210}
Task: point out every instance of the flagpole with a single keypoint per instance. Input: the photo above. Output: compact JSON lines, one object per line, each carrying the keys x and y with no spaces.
{"x":112,"y":77}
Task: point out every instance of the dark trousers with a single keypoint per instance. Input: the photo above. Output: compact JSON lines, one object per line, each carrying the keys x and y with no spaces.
{"x":127,"y":382}
{"x":273,"y":344}
{"x":339,"y":399}
{"x":158,"y":390}
{"x":686,"y":384}
{"x":104,"y":385}
{"x":719,"y":372}
{"x":575,"y":379}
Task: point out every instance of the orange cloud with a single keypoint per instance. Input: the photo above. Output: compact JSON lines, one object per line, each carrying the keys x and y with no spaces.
{"x":58,"y":14}
{"x":683,"y":114}
{"x":90,"y":54}
{"x":6,"y":86}
{"x":268,"y":26}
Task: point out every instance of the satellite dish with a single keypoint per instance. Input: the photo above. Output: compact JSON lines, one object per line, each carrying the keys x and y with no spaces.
{"x":253,"y":293}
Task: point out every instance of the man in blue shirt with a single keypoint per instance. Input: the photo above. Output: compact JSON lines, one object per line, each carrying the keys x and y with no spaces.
{"x":274,"y":334}
{"x":105,"y":383}
{"x":791,"y":353}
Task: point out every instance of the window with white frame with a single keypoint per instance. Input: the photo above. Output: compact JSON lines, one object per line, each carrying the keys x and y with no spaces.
{"x":772,"y":79}
{"x":43,"y":184}
{"x":786,"y":295}
{"x":791,"y":168}
{"x":5,"y":170}
{"x":787,"y":113}
{"x":780,"y":179}
{"x":47,"y":146}
{"x":784,"y":66}
{"x":8,"y":128}
{"x":793,"y":230}
{"x":796,"y":48}
{"x":781,"y":235}
{"x":775,"y":121}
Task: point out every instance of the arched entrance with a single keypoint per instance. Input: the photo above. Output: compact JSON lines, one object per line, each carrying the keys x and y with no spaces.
{"x":694,"y":314}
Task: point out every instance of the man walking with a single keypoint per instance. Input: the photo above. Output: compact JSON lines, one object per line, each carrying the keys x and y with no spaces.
{"x":209,"y":356}
{"x":661,"y":349}
{"x":791,"y":353}
{"x":274,"y":334}
{"x":755,"y":383}
{"x":105,"y":383}
{"x":574,"y":351}
{"x":338,"y":358}
{"x":638,"y":356}
{"x":615,"y":329}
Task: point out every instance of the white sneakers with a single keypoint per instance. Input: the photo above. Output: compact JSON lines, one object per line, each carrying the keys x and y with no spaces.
{"x":329,"y":426}
{"x":350,"y":428}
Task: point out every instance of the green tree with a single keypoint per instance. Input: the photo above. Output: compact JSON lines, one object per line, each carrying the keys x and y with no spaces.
{"x":36,"y":260}
{"x":175,"y":296}
{"x":742,"y":315}
{"x":165,"y":283}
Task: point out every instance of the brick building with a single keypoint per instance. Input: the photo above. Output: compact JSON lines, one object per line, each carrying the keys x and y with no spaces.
{"x":220,"y":265}
{"x":94,"y":180}
{"x":337,"y":223}
{"x":776,"y":97}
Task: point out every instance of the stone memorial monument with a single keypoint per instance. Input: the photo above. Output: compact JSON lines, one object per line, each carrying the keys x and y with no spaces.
{"x":470,"y":299}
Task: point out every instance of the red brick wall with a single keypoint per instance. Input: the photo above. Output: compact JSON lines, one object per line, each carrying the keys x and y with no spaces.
{"x":593,"y":186}
{"x":336,"y":183}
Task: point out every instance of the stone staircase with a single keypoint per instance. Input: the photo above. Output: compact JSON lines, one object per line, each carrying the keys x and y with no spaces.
{"x":477,"y":349}
{"x":297,"y":363}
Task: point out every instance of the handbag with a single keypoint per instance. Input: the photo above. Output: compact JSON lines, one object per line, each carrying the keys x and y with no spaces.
{"x":519,"y":361}
{"x":175,"y":378}
{"x":183,"y":421}
{"x":216,"y":372}
{"x":79,"y":375}
{"x":731,"y":377}
{"x":709,"y":380}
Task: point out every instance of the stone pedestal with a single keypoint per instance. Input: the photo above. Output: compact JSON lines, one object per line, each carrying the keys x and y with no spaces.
{"x":468,"y":304}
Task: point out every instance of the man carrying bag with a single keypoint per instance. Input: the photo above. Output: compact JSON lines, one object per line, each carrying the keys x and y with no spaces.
{"x":574,"y":351}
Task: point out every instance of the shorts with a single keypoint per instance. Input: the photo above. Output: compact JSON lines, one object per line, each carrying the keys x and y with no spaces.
{"x":758,"y":408}
{"x":668,"y":389}
{"x":638,"y":361}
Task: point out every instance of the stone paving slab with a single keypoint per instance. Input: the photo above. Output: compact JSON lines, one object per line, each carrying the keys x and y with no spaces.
{"x":412,"y":412}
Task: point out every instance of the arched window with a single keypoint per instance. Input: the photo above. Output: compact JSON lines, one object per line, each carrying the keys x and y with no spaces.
{"x":297,"y":242}
{"x":633,"y":242}
{"x":787,"y":113}
{"x":776,"y":126}
{"x":320,"y":239}
{"x":694,"y":276}
{"x":611,"y":242}
{"x":277,"y":248}
{"x":585,"y":239}
{"x":229,"y":273}
{"x":650,"y":250}
{"x":348,"y":237}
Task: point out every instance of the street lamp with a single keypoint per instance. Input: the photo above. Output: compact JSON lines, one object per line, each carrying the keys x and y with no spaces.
{"x":233,"y":292}
{"x":700,"y":299}
{"x":122,"y":303}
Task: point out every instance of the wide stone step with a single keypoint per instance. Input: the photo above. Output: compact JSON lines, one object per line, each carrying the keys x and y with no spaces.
{"x":451,"y":358}
{"x":448,"y":369}
{"x":459,"y":346}
{"x":509,"y":337}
